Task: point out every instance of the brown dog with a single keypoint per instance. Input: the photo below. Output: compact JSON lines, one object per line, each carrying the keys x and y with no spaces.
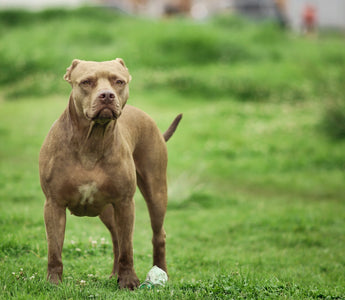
{"x":92,"y":159}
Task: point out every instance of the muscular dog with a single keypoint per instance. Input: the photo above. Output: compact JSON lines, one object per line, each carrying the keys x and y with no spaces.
{"x":92,"y":159}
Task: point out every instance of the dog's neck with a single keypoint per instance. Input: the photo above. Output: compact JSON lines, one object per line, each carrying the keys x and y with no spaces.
{"x":92,"y":139}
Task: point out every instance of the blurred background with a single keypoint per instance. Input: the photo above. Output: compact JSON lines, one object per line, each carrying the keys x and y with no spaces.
{"x":330,"y":13}
{"x":256,"y":167}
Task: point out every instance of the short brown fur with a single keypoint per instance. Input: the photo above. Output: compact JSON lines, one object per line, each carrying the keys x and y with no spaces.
{"x":92,"y":159}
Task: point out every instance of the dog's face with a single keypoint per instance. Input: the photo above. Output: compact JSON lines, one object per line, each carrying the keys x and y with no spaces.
{"x":100,"y":89}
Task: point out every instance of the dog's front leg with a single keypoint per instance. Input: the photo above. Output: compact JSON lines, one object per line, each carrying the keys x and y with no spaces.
{"x":124,"y":219}
{"x":55,"y":221}
{"x":107,"y":217}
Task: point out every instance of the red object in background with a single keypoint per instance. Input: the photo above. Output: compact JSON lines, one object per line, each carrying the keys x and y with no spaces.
{"x":309,"y":16}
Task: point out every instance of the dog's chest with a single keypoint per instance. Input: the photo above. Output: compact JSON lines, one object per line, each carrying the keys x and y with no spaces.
{"x":85,"y":198}
{"x":88,"y":191}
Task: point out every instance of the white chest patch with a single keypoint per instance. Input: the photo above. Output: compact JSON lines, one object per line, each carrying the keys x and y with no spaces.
{"x":88,"y":192}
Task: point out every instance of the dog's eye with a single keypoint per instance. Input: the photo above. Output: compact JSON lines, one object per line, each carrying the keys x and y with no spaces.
{"x":119,"y":82}
{"x":86,"y":82}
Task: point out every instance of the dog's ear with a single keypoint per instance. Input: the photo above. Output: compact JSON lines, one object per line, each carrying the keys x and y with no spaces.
{"x":69,"y":70}
{"x":121,"y":61}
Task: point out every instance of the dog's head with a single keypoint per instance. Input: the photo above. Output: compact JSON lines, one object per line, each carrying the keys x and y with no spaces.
{"x":99,"y":89}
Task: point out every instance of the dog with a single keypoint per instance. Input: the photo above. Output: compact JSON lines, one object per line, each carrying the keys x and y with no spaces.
{"x":93,"y":158}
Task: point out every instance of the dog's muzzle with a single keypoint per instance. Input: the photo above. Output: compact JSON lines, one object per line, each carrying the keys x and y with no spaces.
{"x":107,"y":107}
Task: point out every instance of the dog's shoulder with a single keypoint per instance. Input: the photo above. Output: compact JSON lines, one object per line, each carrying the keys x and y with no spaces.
{"x":133,"y":114}
{"x":139,"y":124}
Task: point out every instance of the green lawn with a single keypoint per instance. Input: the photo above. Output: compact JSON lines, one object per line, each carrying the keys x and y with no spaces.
{"x":256,"y":183}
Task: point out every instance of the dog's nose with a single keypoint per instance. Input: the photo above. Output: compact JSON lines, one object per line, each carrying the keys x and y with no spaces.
{"x":106,"y":97}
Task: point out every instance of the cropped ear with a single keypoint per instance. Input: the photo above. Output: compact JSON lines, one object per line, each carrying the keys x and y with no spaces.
{"x":121,"y":61}
{"x":69,"y":70}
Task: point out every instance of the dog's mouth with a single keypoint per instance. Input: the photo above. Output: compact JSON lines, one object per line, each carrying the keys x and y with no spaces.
{"x":104,"y":115}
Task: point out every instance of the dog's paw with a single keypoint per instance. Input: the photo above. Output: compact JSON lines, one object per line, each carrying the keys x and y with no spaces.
{"x":115,"y":271}
{"x":54,"y":278}
{"x":128,"y":281}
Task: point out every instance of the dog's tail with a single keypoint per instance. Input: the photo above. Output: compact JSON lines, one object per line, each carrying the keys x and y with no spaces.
{"x":170,"y":131}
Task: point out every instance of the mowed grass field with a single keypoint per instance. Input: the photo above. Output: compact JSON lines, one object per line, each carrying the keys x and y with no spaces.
{"x":256,"y":167}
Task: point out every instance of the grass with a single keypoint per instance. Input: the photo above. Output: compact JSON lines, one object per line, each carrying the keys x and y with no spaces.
{"x":256,"y":187}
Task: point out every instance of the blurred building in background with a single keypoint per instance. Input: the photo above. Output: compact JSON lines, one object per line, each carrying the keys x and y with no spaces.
{"x":328,"y":13}
{"x":39,"y":4}
{"x":197,"y":9}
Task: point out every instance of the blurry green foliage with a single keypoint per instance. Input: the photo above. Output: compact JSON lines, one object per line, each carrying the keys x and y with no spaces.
{"x":224,"y":57}
{"x":227,"y":55}
{"x":334,"y":119}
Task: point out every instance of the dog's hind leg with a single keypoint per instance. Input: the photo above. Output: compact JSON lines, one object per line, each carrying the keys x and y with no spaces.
{"x":155,"y":194}
{"x":151,"y":159}
{"x":107,"y":217}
